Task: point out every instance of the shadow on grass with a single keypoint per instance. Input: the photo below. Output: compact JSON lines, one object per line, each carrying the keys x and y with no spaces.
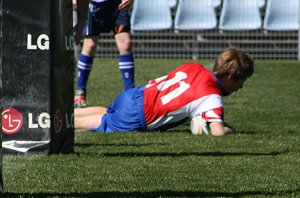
{"x":158,"y":194}
{"x":119,"y":144}
{"x":249,"y":132}
{"x":181,"y":154}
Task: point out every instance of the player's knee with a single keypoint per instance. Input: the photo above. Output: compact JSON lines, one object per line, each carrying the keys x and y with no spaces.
{"x":127,"y":43}
{"x":89,"y":45}
{"x":124,"y":42}
{"x":76,"y":122}
{"x":92,"y":46}
{"x":79,"y":122}
{"x":125,"y":46}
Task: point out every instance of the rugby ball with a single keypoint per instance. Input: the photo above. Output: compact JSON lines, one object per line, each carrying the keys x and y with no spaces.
{"x":199,"y":126}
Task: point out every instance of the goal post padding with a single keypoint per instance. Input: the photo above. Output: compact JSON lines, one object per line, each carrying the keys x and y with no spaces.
{"x":38,"y":72}
{"x":1,"y":162}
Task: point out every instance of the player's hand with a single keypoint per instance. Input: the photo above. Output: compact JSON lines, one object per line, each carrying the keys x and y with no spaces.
{"x":220,"y":129}
{"x":77,"y":34}
{"x":74,"y":2}
{"x":125,"y":4}
{"x":230,"y":128}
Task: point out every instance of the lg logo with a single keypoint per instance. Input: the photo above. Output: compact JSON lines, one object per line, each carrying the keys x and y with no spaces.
{"x":12,"y":121}
{"x":42,"y":42}
{"x":43,"y":121}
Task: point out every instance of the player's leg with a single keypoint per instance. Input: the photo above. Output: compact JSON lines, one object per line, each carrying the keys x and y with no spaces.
{"x":85,"y":61}
{"x":124,"y":44}
{"x":84,"y":66}
{"x":89,"y":111}
{"x":87,"y":122}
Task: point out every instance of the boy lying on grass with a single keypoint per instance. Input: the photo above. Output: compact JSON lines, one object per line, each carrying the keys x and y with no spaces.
{"x":188,"y":91}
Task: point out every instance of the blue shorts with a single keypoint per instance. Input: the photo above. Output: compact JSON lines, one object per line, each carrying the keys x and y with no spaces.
{"x":104,"y":17}
{"x":126,"y":113}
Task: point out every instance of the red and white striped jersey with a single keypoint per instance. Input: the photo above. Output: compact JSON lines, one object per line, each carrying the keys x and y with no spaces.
{"x":189,"y":90}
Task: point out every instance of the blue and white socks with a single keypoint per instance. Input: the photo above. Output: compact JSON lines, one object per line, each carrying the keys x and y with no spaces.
{"x":126,"y":66}
{"x":85,"y":64}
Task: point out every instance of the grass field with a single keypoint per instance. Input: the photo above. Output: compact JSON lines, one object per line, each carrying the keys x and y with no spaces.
{"x":261,"y":159}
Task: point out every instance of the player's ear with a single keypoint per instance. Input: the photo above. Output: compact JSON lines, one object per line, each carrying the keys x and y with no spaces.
{"x":229,"y":77}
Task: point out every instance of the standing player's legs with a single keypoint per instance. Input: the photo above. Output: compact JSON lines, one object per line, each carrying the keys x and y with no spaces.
{"x":101,"y":17}
{"x":124,"y":44}
{"x":84,"y":66}
{"x":126,"y":60}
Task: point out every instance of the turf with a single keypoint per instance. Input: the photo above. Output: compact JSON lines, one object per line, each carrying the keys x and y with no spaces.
{"x":261,"y":159}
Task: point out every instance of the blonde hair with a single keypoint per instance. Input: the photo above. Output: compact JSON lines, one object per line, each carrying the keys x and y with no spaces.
{"x":234,"y":62}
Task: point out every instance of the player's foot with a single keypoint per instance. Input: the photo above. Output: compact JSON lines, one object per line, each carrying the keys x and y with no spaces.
{"x":80,"y":99}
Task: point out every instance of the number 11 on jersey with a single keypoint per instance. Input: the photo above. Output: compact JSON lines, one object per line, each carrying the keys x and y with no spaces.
{"x":183,"y":86}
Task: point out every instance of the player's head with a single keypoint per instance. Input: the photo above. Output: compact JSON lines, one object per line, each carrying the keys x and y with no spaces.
{"x":233,"y":67}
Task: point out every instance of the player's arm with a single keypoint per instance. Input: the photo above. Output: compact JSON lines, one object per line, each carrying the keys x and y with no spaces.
{"x":81,"y":6}
{"x":220,"y":129}
{"x":125,"y":4}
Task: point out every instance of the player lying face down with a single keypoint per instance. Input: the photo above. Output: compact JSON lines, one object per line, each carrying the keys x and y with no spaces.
{"x":189,"y":91}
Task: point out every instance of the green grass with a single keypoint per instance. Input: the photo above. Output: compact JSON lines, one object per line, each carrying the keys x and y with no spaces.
{"x":261,"y":159}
